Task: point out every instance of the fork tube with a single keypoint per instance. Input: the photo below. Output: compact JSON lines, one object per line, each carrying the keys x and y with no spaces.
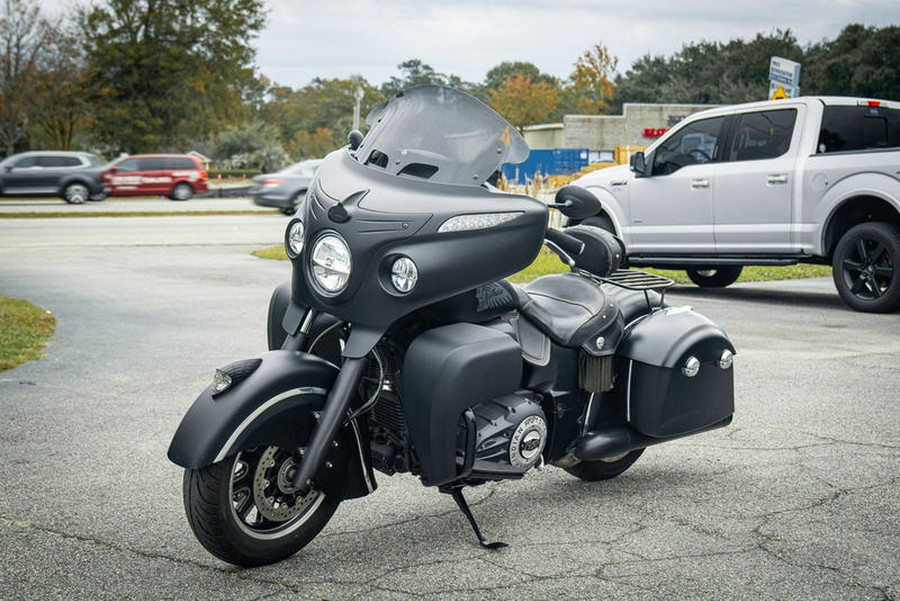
{"x":330,"y":422}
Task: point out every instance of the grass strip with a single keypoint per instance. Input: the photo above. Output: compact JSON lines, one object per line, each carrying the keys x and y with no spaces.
{"x":24,"y":331}
{"x":57,"y":215}
{"x":547,"y":263}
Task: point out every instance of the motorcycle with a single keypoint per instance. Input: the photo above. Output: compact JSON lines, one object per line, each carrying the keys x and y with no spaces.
{"x":399,"y":347}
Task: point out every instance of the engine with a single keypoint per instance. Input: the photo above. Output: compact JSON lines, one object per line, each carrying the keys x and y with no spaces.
{"x":510,"y":434}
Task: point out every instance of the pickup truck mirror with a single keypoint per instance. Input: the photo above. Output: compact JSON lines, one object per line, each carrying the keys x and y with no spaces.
{"x":576,"y":202}
{"x":638,"y":164}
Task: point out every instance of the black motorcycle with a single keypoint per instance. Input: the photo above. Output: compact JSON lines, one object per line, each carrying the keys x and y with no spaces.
{"x":399,"y":347}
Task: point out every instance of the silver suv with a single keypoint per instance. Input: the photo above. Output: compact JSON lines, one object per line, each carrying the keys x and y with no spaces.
{"x":73,"y":176}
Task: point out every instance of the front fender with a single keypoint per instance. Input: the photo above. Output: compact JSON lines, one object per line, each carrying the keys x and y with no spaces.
{"x":273,"y":406}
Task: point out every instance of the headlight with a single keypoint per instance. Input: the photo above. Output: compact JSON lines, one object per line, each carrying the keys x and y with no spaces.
{"x":404,"y":274}
{"x":330,"y":264}
{"x":293,"y":242}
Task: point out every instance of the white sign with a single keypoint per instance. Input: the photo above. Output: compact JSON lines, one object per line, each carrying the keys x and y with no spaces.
{"x":784,"y":72}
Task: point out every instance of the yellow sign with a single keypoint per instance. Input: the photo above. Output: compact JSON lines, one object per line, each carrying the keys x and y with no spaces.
{"x":779,"y":94}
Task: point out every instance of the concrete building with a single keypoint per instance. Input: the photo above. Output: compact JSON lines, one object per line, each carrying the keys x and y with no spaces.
{"x":638,"y":125}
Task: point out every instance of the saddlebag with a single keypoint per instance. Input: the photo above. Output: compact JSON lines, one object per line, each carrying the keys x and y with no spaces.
{"x":678,"y":372}
{"x":446,"y":371}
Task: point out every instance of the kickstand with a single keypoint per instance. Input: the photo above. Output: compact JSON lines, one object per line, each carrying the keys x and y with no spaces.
{"x":456,"y":493}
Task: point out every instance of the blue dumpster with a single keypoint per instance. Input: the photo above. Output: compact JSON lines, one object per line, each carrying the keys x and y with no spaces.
{"x":546,"y":161}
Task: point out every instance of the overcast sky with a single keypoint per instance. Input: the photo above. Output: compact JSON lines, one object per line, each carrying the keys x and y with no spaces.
{"x":339,"y":38}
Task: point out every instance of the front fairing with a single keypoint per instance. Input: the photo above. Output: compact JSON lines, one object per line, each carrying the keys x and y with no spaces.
{"x":383,"y":216}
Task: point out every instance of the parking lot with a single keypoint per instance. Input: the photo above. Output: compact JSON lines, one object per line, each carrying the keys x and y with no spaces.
{"x":798,"y":499}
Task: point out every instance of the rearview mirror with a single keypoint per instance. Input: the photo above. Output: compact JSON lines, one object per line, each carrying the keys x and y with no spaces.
{"x":638,"y":164}
{"x":576,"y":202}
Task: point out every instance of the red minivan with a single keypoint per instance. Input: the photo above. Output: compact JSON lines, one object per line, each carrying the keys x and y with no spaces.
{"x":178,"y":176}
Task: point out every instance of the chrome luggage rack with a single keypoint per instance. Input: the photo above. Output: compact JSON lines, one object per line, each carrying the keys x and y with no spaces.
{"x":634,"y":279}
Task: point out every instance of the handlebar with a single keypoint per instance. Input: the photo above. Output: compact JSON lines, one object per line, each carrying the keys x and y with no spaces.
{"x":571,"y":245}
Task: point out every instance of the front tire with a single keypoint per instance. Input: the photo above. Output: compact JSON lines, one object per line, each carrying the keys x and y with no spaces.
{"x":604,"y":469}
{"x":866,"y":267}
{"x":242,"y":509}
{"x":716,"y":277}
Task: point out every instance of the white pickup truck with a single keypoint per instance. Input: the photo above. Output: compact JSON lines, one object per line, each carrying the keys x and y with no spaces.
{"x":806,"y":180}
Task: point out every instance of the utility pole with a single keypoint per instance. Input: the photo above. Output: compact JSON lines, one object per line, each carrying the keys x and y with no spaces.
{"x":359,"y":96}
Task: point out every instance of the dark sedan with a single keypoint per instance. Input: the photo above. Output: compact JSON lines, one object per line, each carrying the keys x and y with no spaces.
{"x":285,"y":189}
{"x":73,"y":176}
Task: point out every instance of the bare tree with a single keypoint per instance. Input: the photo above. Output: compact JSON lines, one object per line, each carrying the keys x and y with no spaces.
{"x":23,"y":35}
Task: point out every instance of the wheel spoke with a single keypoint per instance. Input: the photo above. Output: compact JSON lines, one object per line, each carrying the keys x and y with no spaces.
{"x":885,"y":272}
{"x":875,"y":288}
{"x":242,"y":499}
{"x":877,"y":252}
{"x":861,"y":249}
{"x":858,"y":285}
{"x":852,"y":265}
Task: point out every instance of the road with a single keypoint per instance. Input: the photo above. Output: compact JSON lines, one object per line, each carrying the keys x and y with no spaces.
{"x":798,"y":499}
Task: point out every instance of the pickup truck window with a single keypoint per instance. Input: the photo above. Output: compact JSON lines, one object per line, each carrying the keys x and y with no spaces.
{"x":692,"y":145}
{"x":848,"y":128}
{"x":763,"y":135}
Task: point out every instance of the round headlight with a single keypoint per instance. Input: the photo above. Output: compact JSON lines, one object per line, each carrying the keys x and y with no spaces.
{"x":294,"y":239}
{"x":404,"y":274}
{"x":330,"y":264}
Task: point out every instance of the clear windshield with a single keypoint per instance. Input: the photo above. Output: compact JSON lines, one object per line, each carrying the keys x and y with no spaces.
{"x":442,"y":135}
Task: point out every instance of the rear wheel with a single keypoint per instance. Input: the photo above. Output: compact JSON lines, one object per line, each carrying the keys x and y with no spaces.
{"x":604,"y":469}
{"x":244,"y":509}
{"x":76,"y":194}
{"x":715,"y":277}
{"x":866,"y":267}
{"x":182,"y":191}
{"x":295,"y":202}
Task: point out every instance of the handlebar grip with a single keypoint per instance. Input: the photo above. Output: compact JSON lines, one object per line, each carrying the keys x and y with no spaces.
{"x":570,"y":244}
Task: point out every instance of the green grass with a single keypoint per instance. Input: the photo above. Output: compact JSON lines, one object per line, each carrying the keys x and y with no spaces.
{"x":24,"y":331}
{"x":547,"y":263}
{"x":273,"y":252}
{"x":57,"y":214}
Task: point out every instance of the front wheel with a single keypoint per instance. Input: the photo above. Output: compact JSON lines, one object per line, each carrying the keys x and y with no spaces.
{"x":604,"y":469}
{"x":245,"y":511}
{"x":716,"y":277}
{"x":866,"y":267}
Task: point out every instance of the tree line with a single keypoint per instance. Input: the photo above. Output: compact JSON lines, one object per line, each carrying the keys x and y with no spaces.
{"x":166,"y":75}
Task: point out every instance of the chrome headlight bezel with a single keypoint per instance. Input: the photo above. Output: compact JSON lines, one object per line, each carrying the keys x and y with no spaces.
{"x":294,"y":238}
{"x":318,"y":267}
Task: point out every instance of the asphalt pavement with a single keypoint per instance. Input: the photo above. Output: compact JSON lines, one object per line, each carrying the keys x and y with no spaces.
{"x":798,"y":499}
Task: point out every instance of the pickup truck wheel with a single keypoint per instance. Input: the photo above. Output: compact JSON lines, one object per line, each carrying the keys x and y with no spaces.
{"x":601,"y":221}
{"x":716,"y":277}
{"x":866,"y":267}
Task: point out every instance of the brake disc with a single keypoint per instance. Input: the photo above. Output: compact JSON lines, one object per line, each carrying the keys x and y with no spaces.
{"x":273,"y":492}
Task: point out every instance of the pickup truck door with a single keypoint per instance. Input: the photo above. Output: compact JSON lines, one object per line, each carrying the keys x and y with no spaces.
{"x":753,"y":184}
{"x":672,"y":208}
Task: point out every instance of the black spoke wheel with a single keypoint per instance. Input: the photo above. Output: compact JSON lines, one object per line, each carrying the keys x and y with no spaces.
{"x":604,"y":469}
{"x":866,"y":267}
{"x":715,"y":277}
{"x":245,"y":510}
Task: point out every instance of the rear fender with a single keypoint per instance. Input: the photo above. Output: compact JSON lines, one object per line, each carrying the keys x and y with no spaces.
{"x":275,"y":405}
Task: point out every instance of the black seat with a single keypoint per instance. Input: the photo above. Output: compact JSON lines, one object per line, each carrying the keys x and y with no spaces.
{"x":573,"y":311}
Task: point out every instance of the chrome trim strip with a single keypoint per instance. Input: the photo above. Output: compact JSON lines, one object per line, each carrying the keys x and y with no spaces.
{"x":362,"y":458}
{"x":628,"y":396}
{"x":262,"y":409}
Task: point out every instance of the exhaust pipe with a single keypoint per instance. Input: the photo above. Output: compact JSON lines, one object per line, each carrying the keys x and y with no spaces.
{"x":616,"y":440}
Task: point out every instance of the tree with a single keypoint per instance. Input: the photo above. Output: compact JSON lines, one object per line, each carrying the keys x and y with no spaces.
{"x":707,"y":72}
{"x":165,"y":72}
{"x":62,"y":110}
{"x":591,"y":81}
{"x":253,"y":144}
{"x":417,"y":73}
{"x":523,"y":102}
{"x":23,"y":37}
{"x":861,"y":61}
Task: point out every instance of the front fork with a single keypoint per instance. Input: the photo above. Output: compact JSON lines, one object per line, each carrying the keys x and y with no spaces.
{"x":331,"y":418}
